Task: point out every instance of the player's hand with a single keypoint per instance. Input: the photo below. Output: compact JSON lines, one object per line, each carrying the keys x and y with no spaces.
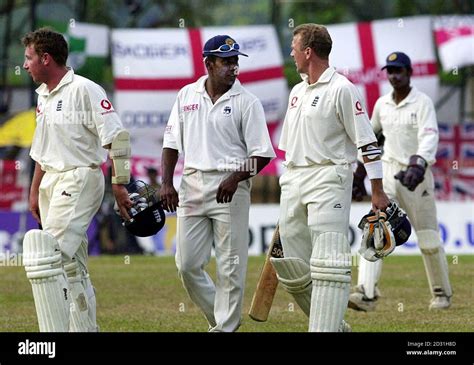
{"x":123,"y":201}
{"x":227,"y":189}
{"x":415,"y":173}
{"x":380,"y":200}
{"x":34,"y":206}
{"x":413,"y":177}
{"x":169,"y":197}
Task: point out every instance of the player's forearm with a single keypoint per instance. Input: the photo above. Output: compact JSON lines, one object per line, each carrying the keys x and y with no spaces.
{"x":37,"y":177}
{"x":376,"y":185}
{"x":251,"y":167}
{"x":371,"y":156}
{"x":169,"y":159}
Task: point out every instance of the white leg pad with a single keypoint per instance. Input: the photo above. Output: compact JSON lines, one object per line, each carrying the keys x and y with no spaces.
{"x":43,"y":266}
{"x":331,"y":275}
{"x":295,"y":277}
{"x":82,"y":317}
{"x":435,"y":262}
{"x":369,"y":276}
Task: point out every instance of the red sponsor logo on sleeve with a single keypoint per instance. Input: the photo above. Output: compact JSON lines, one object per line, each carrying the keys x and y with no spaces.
{"x":39,"y":110}
{"x":107,"y":105}
{"x":293,"y":102}
{"x":359,"y":109}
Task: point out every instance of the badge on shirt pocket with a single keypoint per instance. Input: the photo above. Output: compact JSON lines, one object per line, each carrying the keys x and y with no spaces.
{"x":227,"y":111}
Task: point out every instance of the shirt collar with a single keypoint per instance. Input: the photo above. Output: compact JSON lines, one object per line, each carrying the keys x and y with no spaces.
{"x":236,"y":88}
{"x":325,"y":77}
{"x":67,"y":78}
{"x":410,"y":98}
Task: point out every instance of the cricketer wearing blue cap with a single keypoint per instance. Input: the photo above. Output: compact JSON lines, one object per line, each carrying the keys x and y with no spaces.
{"x":221,"y":129}
{"x":407,"y":119}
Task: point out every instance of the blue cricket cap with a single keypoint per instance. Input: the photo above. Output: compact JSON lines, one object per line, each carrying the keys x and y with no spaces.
{"x":222,"y":46}
{"x":398,"y":59}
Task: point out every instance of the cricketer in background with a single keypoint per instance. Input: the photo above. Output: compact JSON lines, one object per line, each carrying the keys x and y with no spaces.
{"x":74,"y":123}
{"x":407,"y":119}
{"x":324,"y":126}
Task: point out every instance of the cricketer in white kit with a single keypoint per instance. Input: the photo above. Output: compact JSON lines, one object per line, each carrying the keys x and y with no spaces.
{"x":221,"y":129}
{"x":324,"y":125}
{"x":407,"y":119}
{"x":75,"y":121}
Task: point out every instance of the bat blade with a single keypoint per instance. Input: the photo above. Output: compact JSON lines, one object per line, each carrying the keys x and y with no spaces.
{"x":268,"y":282}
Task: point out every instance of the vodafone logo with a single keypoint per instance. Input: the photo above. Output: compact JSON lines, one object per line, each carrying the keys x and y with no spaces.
{"x":107,"y":105}
{"x":39,"y":108}
{"x":358,"y":107}
{"x":293,"y":102}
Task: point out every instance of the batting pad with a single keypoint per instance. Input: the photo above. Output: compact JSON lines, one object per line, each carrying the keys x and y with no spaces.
{"x":331,"y":275}
{"x":295,"y":277}
{"x":82,"y":315}
{"x":369,"y":275}
{"x":435,"y":262}
{"x":43,"y":266}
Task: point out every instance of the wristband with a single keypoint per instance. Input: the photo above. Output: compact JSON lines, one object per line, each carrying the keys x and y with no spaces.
{"x":374,"y":169}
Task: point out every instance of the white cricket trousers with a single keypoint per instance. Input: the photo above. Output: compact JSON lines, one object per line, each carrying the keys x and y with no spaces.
{"x":314,"y":200}
{"x":68,"y":201}
{"x":202,"y":223}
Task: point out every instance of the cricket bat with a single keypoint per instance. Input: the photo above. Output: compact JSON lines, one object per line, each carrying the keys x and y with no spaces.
{"x":267,"y":284}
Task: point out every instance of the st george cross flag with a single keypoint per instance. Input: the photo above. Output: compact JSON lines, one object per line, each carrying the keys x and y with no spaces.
{"x":454,"y":37}
{"x":360,"y":50}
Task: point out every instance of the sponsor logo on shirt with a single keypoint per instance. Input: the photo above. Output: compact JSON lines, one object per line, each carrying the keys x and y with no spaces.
{"x":59,"y":106}
{"x":359,"y":108}
{"x":39,"y":108}
{"x":227,"y":110}
{"x":315,"y":101}
{"x":106,"y":105}
{"x":293,"y":102}
{"x":190,"y":107}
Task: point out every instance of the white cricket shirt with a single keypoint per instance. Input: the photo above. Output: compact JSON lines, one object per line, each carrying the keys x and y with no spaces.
{"x":324,"y":122}
{"x":220,"y":136}
{"x":73,"y":122}
{"x":410,"y":128}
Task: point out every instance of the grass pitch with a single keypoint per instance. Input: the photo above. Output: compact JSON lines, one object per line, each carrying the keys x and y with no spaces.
{"x":144,"y":294}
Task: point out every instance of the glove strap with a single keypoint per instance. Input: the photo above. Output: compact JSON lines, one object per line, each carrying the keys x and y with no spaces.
{"x":416,"y":160}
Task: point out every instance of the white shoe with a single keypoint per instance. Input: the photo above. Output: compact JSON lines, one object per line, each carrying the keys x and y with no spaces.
{"x":345,"y":327}
{"x":440,"y":302}
{"x":359,"y":301}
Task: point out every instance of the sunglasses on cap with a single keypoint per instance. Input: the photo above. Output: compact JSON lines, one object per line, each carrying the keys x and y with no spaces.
{"x":227,"y":48}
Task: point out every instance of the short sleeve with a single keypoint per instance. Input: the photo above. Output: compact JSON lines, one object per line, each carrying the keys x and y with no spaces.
{"x":428,"y":135}
{"x":255,"y":131}
{"x":352,"y":114}
{"x":104,"y":116}
{"x":375,"y":120}
{"x":172,"y":138}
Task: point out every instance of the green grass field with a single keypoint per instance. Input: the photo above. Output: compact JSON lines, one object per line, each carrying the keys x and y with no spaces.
{"x":143,"y":294}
